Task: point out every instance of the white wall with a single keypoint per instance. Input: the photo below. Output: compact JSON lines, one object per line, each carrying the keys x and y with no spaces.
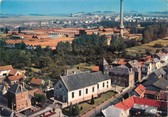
{"x":68,"y":95}
{"x":87,"y":96}
{"x":4,"y":72}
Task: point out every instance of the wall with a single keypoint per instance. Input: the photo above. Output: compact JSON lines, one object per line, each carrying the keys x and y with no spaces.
{"x":6,"y":72}
{"x":88,"y":96}
{"x":60,"y":93}
{"x":22,"y":101}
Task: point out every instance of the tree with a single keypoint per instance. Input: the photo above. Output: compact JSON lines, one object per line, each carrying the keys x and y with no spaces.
{"x":76,"y":109}
{"x":39,"y":98}
{"x":63,"y":48}
{"x":92,"y":100}
{"x":117,"y":44}
{"x":70,"y":108}
{"x":21,"y":46}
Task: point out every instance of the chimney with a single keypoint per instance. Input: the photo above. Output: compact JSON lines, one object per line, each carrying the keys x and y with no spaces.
{"x":121,"y":18}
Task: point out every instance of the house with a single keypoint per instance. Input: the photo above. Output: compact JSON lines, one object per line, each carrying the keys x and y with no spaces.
{"x":33,"y":92}
{"x":76,"y":88}
{"x":161,"y":95}
{"x":135,"y":106}
{"x":161,"y":84}
{"x":122,"y":76}
{"x":14,"y":72}
{"x":14,"y":79}
{"x":147,"y":68}
{"x":3,"y":91}
{"x":95,"y":68}
{"x":114,"y":111}
{"x":136,"y":68}
{"x":72,"y":71}
{"x":18,"y":97}
{"x":105,"y":67}
{"x":139,"y":91}
{"x":37,"y":81}
{"x":5,"y":112}
{"x":4,"y":70}
{"x":156,"y":63}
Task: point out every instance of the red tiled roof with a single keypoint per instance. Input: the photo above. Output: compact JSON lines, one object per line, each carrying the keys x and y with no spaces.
{"x":14,"y":78}
{"x":140,"y":90}
{"x":7,"y":67}
{"x":149,"y":102}
{"x":36,"y":81}
{"x":150,"y":92}
{"x":148,"y":58}
{"x":122,"y":62}
{"x":162,"y":95}
{"x":95,"y":68}
{"x":13,"y":72}
{"x":36,"y":91}
{"x":31,"y":92}
{"x":129,"y":103}
{"x":126,"y":104}
{"x":39,"y":91}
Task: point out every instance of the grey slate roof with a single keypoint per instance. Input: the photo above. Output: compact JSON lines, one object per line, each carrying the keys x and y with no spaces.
{"x":121,"y":70}
{"x":161,"y":83}
{"x":152,"y":78}
{"x":156,"y":60}
{"x":81,"y":80}
{"x":162,"y":71}
{"x":112,"y":111}
{"x":17,"y":88}
{"x":157,"y":72}
{"x":6,"y":113}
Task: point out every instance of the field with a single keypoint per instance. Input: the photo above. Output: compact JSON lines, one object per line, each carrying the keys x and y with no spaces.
{"x":141,"y":49}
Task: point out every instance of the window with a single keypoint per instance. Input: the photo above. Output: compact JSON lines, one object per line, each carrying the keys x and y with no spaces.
{"x":79,"y":92}
{"x":97,"y":86}
{"x":86,"y":91}
{"x":92,"y":89}
{"x":72,"y":94}
{"x":103,"y":84}
{"x":107,"y":84}
{"x":60,"y":86}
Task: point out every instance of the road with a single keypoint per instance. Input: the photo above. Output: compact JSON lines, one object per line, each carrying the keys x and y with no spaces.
{"x":96,"y":111}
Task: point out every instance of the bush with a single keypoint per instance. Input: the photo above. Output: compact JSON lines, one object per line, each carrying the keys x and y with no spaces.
{"x":92,"y":100}
{"x":76,"y":110}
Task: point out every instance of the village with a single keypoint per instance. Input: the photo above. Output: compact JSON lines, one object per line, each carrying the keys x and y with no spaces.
{"x":85,"y":65}
{"x":144,"y":83}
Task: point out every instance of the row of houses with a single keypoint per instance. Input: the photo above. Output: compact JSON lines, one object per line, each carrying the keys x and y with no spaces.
{"x":13,"y":93}
{"x":149,"y":98}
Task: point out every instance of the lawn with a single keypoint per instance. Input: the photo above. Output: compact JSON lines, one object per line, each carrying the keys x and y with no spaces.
{"x":86,"y":106}
{"x":149,"y":46}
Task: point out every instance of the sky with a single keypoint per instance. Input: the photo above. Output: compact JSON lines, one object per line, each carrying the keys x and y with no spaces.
{"x":73,"y":6}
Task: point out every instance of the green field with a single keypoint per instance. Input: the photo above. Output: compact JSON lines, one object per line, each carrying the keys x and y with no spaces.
{"x":141,"y":49}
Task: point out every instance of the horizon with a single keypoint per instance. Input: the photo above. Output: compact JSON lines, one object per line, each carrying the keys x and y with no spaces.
{"x":46,"y":7}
